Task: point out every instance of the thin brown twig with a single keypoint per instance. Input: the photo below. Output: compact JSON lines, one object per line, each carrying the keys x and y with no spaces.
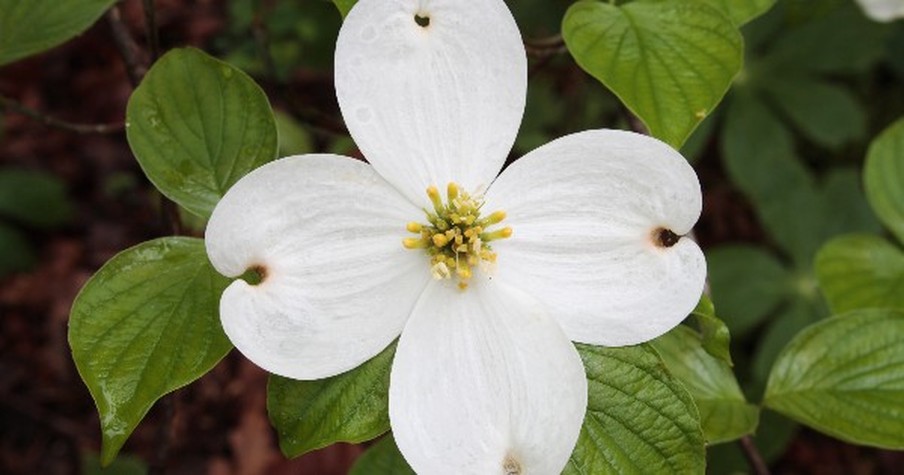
{"x":128,"y":49}
{"x":8,"y":104}
{"x":545,"y":47}
{"x":150,"y":21}
{"x":753,"y":456}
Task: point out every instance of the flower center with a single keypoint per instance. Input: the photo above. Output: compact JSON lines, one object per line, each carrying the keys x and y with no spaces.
{"x":455,"y":237}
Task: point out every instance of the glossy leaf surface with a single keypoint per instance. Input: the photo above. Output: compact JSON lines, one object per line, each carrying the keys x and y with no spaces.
{"x":842,"y":376}
{"x":724,"y":413}
{"x":669,"y":61}
{"x":640,"y":419}
{"x":197,"y":125}
{"x":144,"y":325}
{"x":350,"y":407}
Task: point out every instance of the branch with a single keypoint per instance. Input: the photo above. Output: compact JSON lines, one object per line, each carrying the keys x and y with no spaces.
{"x":14,"y":106}
{"x":545,"y":47}
{"x":753,"y":456}
{"x":135,"y":68}
{"x":150,"y":21}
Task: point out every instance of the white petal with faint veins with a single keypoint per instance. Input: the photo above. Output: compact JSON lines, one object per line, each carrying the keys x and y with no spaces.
{"x":430,"y":105}
{"x":583,"y":209}
{"x":484,"y":381}
{"x":338,"y":284}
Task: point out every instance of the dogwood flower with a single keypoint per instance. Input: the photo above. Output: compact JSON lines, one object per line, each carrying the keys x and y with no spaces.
{"x":882,"y":10}
{"x":485,"y":280}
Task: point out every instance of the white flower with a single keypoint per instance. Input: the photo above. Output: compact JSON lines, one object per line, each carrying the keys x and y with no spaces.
{"x":485,"y":378}
{"x":882,"y":10}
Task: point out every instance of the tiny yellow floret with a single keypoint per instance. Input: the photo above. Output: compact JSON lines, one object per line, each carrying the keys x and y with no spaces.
{"x":455,"y":237}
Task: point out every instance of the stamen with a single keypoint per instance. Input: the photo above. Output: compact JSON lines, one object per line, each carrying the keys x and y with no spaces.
{"x":455,"y":237}
{"x":433,"y":194}
{"x":503,"y":233}
{"x":452,"y":192}
{"x":414,"y":243}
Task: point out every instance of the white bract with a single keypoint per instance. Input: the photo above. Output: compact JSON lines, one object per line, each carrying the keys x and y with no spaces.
{"x":883,"y":10}
{"x":488,"y":280}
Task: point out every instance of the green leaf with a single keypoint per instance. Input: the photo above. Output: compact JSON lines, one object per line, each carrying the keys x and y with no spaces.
{"x":143,"y":326}
{"x":197,"y":125}
{"x":383,"y":458}
{"x":796,"y":210}
{"x":31,"y":26}
{"x":884,"y":177}
{"x":350,"y":407}
{"x":344,"y":6}
{"x":748,"y":284}
{"x":716,"y":337}
{"x":798,"y":314}
{"x":724,"y":413}
{"x":16,"y":254}
{"x":741,"y":11}
{"x":827,"y":114}
{"x":842,"y":376}
{"x":669,"y":61}
{"x":842,"y":41}
{"x":639,"y":419}
{"x":861,"y":271}
{"x":33,"y":198}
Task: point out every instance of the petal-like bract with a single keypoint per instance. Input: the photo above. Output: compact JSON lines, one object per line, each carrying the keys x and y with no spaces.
{"x":585,"y":210}
{"x":428,"y":105}
{"x":324,"y":232}
{"x":883,"y":10}
{"x":485,"y":382}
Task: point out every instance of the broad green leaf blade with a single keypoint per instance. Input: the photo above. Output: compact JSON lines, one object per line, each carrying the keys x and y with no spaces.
{"x":724,"y":413}
{"x":33,"y":198}
{"x":344,"y":6}
{"x":31,"y":26}
{"x":741,"y":11}
{"x":861,"y":271}
{"x":827,"y":114}
{"x":350,"y":407}
{"x":843,"y":377}
{"x":197,"y":125}
{"x":797,"y":315}
{"x":383,"y":458}
{"x":16,"y":254}
{"x":669,"y":61}
{"x":715,"y":334}
{"x":639,"y":419}
{"x":884,"y":176}
{"x":146,"y":324}
{"x":748,"y":284}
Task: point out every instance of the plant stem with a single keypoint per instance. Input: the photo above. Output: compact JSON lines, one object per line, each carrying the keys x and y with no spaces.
{"x":753,"y":456}
{"x":8,"y":104}
{"x":150,"y":21}
{"x":126,"y":46}
{"x":545,"y":47}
